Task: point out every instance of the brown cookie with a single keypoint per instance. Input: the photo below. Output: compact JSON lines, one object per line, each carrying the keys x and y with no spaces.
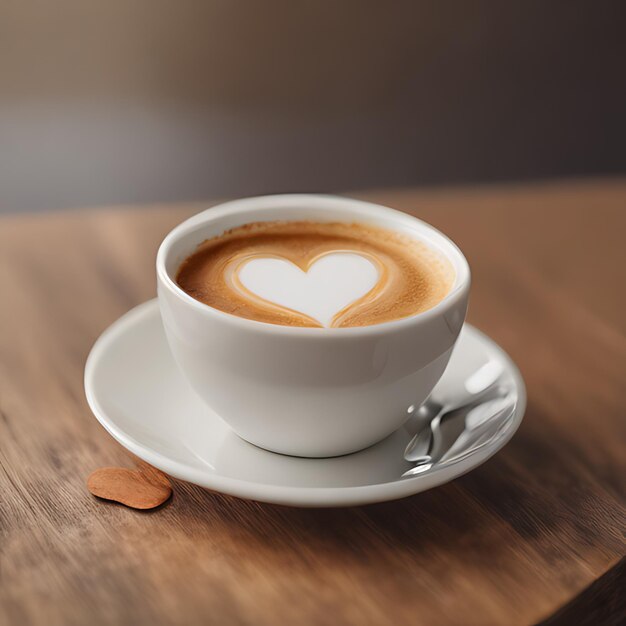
{"x":143,"y":488}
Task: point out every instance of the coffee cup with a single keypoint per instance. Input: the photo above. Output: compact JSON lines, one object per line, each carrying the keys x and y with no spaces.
{"x":314,"y":392}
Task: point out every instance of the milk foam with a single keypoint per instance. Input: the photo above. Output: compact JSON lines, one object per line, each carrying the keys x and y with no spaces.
{"x":329,"y":284}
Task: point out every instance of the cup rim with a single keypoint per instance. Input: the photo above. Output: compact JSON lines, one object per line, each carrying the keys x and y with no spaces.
{"x":185,"y":228}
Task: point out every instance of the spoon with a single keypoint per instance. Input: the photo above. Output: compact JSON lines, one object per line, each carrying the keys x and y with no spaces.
{"x":476,"y":385}
{"x":456,"y":433}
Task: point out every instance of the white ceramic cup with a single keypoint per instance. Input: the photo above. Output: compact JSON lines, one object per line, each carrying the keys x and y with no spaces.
{"x":311,"y":392}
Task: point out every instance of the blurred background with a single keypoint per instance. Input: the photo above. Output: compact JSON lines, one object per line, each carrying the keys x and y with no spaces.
{"x":142,"y":101}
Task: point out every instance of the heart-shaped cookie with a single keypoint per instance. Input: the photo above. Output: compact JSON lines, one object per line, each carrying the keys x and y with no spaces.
{"x":328,"y":285}
{"x":143,"y":488}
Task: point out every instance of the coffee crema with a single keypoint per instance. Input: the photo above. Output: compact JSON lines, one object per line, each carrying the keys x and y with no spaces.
{"x":411,"y":276}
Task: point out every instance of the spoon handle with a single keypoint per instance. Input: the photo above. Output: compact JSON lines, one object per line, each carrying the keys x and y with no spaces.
{"x":454,"y":421}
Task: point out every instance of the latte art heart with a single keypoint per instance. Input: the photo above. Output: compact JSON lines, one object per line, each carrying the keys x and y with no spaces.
{"x":321,"y":291}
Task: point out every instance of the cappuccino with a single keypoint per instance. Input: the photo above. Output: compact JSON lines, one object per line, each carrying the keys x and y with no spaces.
{"x":316,"y":274}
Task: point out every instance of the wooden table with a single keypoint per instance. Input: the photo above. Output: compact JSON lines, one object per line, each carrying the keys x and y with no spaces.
{"x":537,"y":528}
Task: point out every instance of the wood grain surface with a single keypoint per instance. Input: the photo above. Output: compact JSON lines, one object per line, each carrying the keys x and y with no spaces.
{"x":513,"y":542}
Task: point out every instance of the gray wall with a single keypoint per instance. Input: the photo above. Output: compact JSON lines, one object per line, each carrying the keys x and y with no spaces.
{"x":150,"y":100}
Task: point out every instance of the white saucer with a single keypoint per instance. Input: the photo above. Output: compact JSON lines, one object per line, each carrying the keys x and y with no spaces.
{"x":137,"y":393}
